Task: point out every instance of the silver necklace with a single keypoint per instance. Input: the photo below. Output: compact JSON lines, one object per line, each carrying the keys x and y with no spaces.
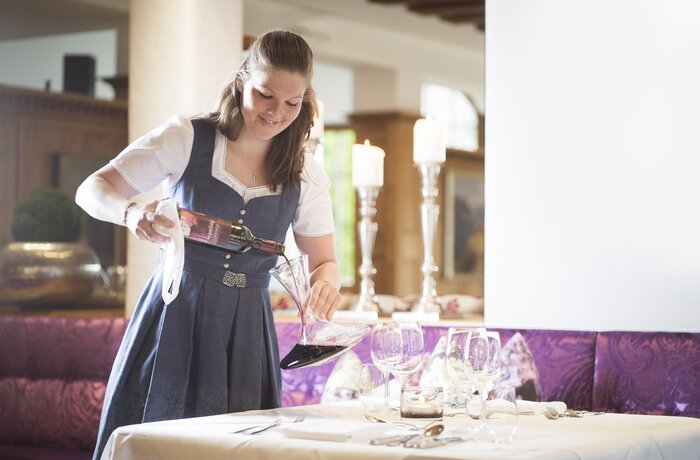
{"x":254,"y":175}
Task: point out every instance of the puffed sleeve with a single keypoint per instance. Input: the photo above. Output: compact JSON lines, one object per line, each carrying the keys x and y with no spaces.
{"x":162,"y":153}
{"x":314,"y":215}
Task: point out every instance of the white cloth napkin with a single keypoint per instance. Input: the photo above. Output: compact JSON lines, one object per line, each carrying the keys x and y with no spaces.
{"x":338,"y":431}
{"x":534,"y":407}
{"x":174,"y":259}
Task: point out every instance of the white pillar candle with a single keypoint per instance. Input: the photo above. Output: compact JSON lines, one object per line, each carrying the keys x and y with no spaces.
{"x":367,"y":165}
{"x":428,"y":141}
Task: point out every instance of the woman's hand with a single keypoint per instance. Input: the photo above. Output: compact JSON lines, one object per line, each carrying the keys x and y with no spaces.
{"x":140,"y":219}
{"x":324,"y":299}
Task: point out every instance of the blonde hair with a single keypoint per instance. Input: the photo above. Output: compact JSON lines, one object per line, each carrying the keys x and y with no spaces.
{"x":280,"y":50}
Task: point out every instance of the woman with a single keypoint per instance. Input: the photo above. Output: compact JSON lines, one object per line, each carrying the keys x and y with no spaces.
{"x":214,"y":349}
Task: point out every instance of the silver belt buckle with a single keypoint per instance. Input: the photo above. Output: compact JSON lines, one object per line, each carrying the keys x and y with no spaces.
{"x":232,"y":279}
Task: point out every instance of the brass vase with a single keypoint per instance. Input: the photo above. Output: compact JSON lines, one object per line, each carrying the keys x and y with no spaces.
{"x":46,"y":275}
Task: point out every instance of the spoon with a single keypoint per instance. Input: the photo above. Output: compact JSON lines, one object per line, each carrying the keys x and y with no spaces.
{"x":428,"y":432}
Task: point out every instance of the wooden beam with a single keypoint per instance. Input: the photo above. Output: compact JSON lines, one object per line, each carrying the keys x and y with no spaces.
{"x":442,"y":8}
{"x":462,"y":18}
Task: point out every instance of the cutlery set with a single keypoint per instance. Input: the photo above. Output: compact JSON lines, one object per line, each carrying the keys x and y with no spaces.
{"x":425,"y":438}
{"x":552,"y":413}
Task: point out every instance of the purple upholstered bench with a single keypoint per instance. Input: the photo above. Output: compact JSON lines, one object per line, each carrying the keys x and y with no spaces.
{"x":626,"y":372}
{"x":53,"y":373}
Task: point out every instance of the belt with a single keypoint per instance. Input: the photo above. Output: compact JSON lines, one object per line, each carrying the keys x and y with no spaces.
{"x":229,"y":278}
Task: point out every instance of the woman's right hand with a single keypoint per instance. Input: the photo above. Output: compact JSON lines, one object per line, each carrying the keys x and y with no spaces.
{"x":140,"y":219}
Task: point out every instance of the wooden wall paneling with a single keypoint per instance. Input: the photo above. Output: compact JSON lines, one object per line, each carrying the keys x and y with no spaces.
{"x":49,"y":123}
{"x":8,"y":173}
{"x":40,"y":139}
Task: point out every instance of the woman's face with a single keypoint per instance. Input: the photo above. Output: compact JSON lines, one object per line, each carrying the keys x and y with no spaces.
{"x":271,"y":101}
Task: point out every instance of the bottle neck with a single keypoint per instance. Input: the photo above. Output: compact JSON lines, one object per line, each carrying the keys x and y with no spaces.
{"x":268,"y":246}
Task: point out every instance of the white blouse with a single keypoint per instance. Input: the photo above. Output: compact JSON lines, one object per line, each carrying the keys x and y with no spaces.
{"x":163,"y":154}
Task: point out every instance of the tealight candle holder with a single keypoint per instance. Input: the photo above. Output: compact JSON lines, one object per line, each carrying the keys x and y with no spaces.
{"x":421,"y":402}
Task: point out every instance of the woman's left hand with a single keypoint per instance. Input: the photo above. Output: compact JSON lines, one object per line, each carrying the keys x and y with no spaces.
{"x":324,"y":299}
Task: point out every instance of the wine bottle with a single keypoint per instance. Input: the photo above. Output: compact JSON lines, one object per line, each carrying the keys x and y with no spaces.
{"x":223,"y":233}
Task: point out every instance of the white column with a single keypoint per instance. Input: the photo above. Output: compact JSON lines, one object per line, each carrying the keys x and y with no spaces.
{"x":181,"y":51}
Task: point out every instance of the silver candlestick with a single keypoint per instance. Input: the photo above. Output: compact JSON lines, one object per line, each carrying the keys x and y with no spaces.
{"x":367,"y":230}
{"x":429,"y":217}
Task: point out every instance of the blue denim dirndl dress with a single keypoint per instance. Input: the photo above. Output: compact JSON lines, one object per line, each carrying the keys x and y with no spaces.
{"x":213,"y":350}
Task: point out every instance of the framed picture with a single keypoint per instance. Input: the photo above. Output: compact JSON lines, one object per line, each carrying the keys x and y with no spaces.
{"x":463,"y":255}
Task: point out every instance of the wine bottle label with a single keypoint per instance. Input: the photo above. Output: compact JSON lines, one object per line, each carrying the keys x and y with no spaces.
{"x":205,"y":229}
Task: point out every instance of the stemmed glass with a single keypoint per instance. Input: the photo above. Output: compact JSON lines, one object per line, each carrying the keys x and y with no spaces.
{"x":412,"y":354}
{"x":493,"y":366}
{"x":466,"y":358}
{"x":387,"y":349}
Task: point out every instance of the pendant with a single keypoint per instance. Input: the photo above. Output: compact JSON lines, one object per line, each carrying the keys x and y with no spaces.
{"x":253,"y":176}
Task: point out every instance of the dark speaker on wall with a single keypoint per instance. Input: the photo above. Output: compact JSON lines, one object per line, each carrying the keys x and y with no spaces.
{"x":79,"y":74}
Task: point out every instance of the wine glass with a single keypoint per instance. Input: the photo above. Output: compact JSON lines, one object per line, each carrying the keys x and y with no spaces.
{"x":386,"y":349}
{"x":371,"y":387}
{"x":466,"y":356}
{"x":412,"y":352}
{"x":493,"y":366}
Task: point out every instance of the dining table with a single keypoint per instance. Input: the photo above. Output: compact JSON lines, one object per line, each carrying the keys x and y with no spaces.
{"x":342,"y":431}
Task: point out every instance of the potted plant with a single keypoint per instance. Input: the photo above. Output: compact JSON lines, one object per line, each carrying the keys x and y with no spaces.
{"x":47,"y":266}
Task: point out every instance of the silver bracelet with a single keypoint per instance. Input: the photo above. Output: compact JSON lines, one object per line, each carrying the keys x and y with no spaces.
{"x":126,"y":211}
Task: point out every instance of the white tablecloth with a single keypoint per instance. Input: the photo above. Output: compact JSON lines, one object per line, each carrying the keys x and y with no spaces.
{"x":608,"y":436}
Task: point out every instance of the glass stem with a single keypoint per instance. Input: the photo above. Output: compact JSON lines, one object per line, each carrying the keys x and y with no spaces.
{"x":386,"y":389}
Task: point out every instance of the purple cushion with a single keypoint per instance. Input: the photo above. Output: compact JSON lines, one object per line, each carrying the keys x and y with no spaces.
{"x":518,"y":368}
{"x":648,"y":372}
{"x":565,"y":362}
{"x":53,"y":373}
{"x":50,"y":413}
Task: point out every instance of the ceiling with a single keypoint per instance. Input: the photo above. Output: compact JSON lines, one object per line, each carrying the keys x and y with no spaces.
{"x":452,"y":11}
{"x":441,"y":20}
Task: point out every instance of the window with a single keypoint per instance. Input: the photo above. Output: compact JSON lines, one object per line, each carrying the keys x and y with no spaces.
{"x":336,"y":159}
{"x":457,"y":114}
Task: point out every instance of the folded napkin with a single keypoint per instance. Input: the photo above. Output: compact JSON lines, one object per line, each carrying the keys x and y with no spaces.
{"x":174,"y":259}
{"x":534,"y":407}
{"x":339,"y":431}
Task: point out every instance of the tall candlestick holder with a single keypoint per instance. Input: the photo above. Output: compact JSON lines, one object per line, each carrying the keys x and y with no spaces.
{"x":367,"y":230}
{"x":430,"y":211}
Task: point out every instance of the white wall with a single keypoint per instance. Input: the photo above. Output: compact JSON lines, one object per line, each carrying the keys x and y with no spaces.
{"x":593,"y":164}
{"x":181,"y":52}
{"x":30,"y":62}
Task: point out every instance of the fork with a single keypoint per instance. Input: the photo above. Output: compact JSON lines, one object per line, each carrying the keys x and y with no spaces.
{"x":552,"y":413}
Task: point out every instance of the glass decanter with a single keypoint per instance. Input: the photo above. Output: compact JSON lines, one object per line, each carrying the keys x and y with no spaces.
{"x":320,"y":340}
